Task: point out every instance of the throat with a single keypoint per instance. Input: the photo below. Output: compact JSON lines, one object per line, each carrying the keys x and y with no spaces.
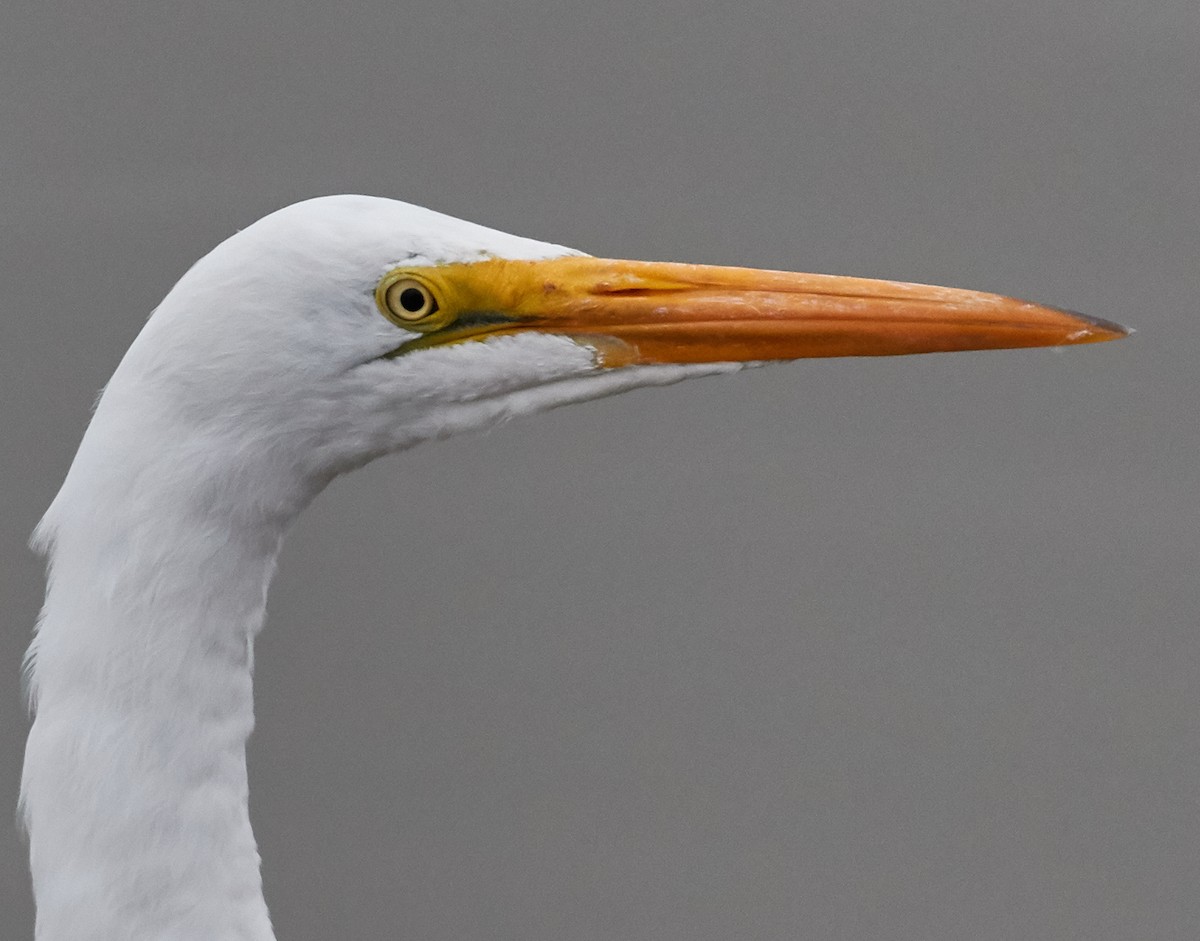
{"x":135,"y":787}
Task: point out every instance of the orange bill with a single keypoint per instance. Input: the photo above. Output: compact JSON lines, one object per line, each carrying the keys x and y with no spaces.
{"x":650,"y":312}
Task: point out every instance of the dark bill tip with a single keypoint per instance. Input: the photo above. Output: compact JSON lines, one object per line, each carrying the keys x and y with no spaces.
{"x":1114,"y":330}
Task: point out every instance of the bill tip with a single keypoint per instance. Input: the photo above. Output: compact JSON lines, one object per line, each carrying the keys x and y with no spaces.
{"x":1098,"y":330}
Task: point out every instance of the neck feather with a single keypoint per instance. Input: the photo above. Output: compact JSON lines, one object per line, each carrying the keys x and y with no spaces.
{"x":135,"y":788}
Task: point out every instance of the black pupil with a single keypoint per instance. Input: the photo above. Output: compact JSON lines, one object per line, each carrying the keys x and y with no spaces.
{"x":412,"y":299}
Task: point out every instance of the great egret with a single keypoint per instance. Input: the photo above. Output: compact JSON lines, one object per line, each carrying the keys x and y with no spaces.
{"x":322,"y":336}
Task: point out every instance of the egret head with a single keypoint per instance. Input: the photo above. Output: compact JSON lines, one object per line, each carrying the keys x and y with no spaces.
{"x":324,"y":335}
{"x":344,"y":327}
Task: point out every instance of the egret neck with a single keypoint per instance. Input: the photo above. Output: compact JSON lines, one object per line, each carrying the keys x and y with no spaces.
{"x":136,"y":767}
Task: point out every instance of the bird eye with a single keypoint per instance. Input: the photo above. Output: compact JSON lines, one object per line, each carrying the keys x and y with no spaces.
{"x":407,"y":301}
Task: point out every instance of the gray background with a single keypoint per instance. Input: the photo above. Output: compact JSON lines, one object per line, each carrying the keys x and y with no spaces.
{"x":897,"y":649}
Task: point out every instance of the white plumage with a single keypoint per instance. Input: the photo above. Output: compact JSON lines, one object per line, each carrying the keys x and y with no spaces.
{"x":264,"y":373}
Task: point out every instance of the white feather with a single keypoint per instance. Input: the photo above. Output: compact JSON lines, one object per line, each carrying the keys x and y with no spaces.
{"x":255,"y":382}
